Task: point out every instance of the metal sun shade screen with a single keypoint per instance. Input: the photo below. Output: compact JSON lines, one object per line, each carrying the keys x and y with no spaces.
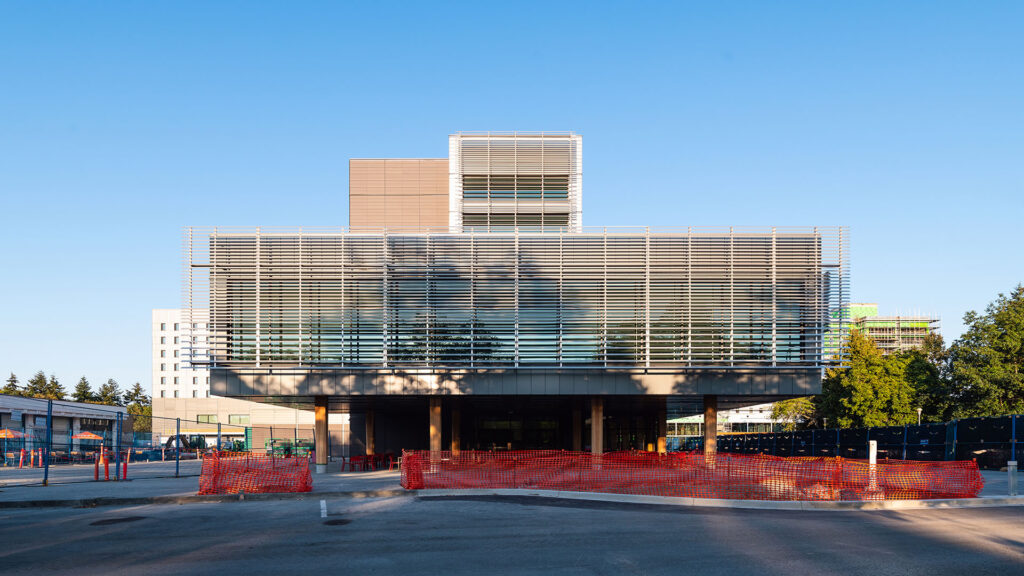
{"x":604,"y":298}
{"x":520,"y":180}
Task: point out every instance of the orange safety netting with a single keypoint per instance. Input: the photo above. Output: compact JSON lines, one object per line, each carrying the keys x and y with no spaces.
{"x":692,"y":474}
{"x":234,"y":472}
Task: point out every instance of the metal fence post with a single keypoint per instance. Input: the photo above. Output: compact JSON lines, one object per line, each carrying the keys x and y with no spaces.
{"x":837,"y":441}
{"x":906,"y":427}
{"x":49,"y":440}
{"x":117,"y":448}
{"x":177,"y":447}
{"x":218,"y":435}
{"x":1011,"y":470}
{"x":1013,"y":437}
{"x":813,"y":451}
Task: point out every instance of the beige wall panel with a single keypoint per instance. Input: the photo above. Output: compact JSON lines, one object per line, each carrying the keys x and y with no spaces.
{"x":398,"y":193}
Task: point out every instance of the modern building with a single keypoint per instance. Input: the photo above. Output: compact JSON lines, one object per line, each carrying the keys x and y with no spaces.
{"x":513,"y":326}
{"x":182,"y":402}
{"x":891,"y":333}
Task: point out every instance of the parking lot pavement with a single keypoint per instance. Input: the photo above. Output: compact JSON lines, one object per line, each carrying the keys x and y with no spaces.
{"x":409,"y":535}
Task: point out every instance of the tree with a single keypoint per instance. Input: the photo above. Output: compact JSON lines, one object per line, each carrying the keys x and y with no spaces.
{"x":796,"y":411}
{"x":36,"y":386}
{"x":54,"y":390}
{"x":986,"y":365}
{"x":142,"y":417}
{"x":868,"y":388}
{"x":136,"y":395}
{"x":110,"y":394}
{"x":83,"y":392}
{"x":926,"y":371}
{"x":11,"y":388}
{"x":139,"y":408}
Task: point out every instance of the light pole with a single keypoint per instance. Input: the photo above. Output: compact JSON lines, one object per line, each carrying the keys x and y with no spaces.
{"x":918,"y":416}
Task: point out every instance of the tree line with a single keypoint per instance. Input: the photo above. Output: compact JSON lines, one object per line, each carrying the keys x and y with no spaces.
{"x":979,"y":374}
{"x":135,"y":399}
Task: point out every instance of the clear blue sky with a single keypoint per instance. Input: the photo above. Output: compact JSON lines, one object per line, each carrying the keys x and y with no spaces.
{"x":122,"y":123}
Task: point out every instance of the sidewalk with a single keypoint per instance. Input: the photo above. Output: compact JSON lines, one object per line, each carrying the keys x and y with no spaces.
{"x":334,"y":484}
{"x":181,"y":490}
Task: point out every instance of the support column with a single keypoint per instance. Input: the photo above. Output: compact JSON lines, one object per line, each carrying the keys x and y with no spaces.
{"x":710,"y":424}
{"x":371,"y":445}
{"x":320,"y":434}
{"x":456,"y":428}
{"x":435,"y":424}
{"x":577,"y":426}
{"x":662,"y":429}
{"x":596,"y":425}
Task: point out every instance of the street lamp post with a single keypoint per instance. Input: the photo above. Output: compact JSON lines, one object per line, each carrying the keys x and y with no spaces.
{"x":918,"y":416}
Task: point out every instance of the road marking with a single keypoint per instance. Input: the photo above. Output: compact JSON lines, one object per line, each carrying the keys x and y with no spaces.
{"x":323,"y":508}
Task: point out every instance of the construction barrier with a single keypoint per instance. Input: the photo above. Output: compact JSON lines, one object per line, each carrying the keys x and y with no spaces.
{"x":692,"y":474}
{"x":234,"y":472}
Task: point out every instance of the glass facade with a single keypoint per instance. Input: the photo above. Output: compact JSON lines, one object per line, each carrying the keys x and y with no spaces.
{"x":499,"y":300}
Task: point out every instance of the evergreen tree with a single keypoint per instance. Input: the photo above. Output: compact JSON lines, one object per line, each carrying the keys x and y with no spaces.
{"x":139,"y":407}
{"x":11,"y":388}
{"x":986,"y":365}
{"x":110,"y":394}
{"x":83,"y":392}
{"x":36,"y":386}
{"x":136,"y":395}
{"x":868,"y":388}
{"x":54,"y":390}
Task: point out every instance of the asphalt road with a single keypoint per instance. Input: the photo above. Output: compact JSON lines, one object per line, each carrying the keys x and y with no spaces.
{"x":407,"y":535}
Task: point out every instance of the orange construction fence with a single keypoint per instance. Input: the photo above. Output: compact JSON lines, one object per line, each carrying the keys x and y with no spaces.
{"x":692,"y":474}
{"x":234,"y":472}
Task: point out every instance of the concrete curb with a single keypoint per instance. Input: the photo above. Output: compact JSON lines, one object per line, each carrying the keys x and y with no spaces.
{"x":194,"y":499}
{"x":981,"y":502}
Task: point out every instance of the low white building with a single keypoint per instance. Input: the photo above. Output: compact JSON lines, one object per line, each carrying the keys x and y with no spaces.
{"x":27,"y":416}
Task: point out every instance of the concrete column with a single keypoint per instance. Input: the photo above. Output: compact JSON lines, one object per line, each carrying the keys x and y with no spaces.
{"x":710,"y":424}
{"x":577,"y":427}
{"x":596,"y":425}
{"x":76,"y":427}
{"x":320,"y":435}
{"x":371,"y":445}
{"x":435,"y":424}
{"x":456,"y":428}
{"x":662,"y":430}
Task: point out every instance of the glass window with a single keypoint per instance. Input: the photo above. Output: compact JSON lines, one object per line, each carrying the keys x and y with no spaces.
{"x":175,"y":353}
{"x":163,"y":326}
{"x":163,"y":339}
{"x":175,"y":367}
{"x":193,"y":393}
{"x":175,"y":380}
{"x":175,"y":326}
{"x":163,"y":367}
{"x":240,"y":419}
{"x":163,"y":380}
{"x":163,"y":353}
{"x":175,"y":393}
{"x":206,"y":418}
{"x":207,"y":380}
{"x":207,"y":393}
{"x":161,"y":393}
{"x":176,"y":341}
{"x":195,"y":380}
